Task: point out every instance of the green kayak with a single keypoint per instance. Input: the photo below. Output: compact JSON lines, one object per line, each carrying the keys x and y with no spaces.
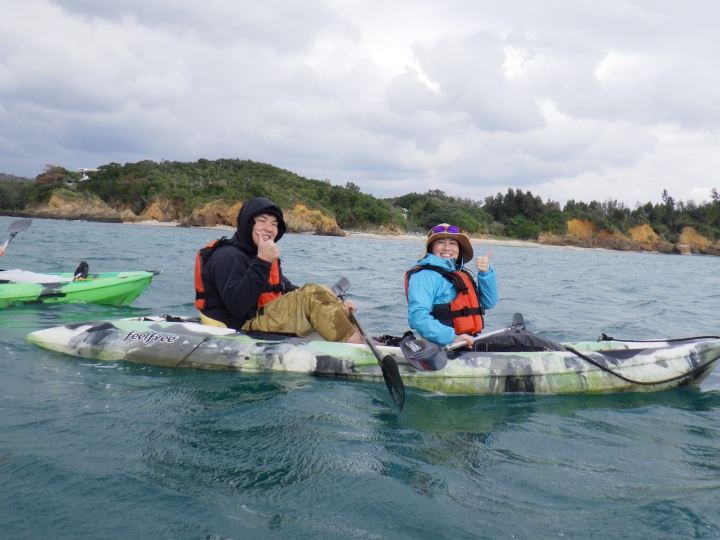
{"x":111,"y":288}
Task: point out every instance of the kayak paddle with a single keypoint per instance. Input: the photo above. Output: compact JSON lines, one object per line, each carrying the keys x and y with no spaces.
{"x":388,"y":365}
{"x":17,"y":226}
{"x":426,"y":356}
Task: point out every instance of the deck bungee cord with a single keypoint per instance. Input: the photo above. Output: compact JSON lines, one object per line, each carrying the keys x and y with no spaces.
{"x":632,"y":381}
{"x":605,"y":337}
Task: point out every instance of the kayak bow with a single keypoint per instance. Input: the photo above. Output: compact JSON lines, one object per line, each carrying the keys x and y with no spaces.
{"x":111,"y":288}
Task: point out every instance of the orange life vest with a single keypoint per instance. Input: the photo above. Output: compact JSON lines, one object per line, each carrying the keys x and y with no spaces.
{"x":203,"y":255}
{"x":464,"y":313}
{"x":274,"y":283}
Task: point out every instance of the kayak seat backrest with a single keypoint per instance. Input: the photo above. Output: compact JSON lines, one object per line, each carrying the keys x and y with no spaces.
{"x":516,"y":340}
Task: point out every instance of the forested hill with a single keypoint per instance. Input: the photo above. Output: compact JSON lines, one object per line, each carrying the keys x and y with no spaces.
{"x":191,"y":185}
{"x":519,"y":214}
{"x":12,"y":178}
{"x":515,"y":214}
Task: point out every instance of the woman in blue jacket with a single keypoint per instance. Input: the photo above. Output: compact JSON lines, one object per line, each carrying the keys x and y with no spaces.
{"x":435,"y":283}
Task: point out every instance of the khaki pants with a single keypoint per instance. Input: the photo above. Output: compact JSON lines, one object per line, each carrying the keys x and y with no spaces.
{"x":310,"y":308}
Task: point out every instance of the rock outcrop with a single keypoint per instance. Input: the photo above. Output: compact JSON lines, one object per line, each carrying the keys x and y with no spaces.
{"x":697,"y":243}
{"x":581,"y":228}
{"x":163,"y":210}
{"x":64,"y":204}
{"x":298,"y":220}
{"x":303,"y":220}
{"x":128,"y":215}
{"x":74,"y":205}
{"x":212,"y":214}
{"x":583,"y":233}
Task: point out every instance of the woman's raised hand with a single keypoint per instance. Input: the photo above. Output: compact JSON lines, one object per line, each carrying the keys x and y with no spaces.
{"x":483,"y":263}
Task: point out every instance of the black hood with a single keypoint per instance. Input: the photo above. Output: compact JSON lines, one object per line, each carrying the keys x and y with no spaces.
{"x":246,"y":221}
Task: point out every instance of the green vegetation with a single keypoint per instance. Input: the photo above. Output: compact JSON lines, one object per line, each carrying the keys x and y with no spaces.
{"x":191,"y":185}
{"x":136,"y":185}
{"x":516,"y":214}
{"x":433,"y":207}
{"x":12,"y":178}
{"x":519,"y":214}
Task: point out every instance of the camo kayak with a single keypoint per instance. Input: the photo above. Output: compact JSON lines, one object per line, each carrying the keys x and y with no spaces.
{"x":112,"y":288}
{"x":162,"y":342}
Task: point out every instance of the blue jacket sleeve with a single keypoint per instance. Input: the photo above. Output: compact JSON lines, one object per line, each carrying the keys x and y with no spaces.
{"x":487,"y":287}
{"x":423,"y":288}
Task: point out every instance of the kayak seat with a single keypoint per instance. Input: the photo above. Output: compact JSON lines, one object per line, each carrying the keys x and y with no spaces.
{"x":516,"y":339}
{"x":81,"y":272}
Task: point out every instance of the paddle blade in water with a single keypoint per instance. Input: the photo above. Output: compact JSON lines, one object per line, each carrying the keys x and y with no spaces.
{"x":393,"y":381}
{"x":388,"y":366}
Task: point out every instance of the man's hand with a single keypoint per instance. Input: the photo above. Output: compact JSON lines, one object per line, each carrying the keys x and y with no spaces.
{"x":350,"y":305}
{"x":267,"y":249}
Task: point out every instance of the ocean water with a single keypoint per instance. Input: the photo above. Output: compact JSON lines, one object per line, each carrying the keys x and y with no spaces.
{"x":116,"y":450}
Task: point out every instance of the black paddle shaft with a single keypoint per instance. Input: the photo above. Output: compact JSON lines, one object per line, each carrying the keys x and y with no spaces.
{"x":388,"y":365}
{"x":426,"y":356}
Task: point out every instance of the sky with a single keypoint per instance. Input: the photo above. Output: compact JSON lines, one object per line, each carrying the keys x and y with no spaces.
{"x":613,"y":100}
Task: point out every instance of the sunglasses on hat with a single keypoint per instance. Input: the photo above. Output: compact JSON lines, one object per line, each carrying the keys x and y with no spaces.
{"x":452,"y":229}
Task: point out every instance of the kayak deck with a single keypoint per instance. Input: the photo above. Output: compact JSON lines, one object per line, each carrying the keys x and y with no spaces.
{"x":111,"y":288}
{"x":157,"y":342}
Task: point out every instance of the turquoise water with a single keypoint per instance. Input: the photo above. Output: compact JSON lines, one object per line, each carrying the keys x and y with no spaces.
{"x":91,"y":450}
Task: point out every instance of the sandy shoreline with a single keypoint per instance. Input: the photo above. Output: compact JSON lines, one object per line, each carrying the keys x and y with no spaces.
{"x":421,"y":238}
{"x":358,"y":234}
{"x":155,"y":223}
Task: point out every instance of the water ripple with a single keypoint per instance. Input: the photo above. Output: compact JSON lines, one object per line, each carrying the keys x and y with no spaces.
{"x":118,"y":450}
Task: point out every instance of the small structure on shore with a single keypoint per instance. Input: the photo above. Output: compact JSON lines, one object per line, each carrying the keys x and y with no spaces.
{"x":84,"y":172}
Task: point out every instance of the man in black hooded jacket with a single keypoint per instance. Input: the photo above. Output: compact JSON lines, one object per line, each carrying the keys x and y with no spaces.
{"x":243,"y":286}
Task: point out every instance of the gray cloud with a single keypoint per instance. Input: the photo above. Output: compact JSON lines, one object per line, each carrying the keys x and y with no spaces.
{"x":281,"y":25}
{"x":463,"y":96}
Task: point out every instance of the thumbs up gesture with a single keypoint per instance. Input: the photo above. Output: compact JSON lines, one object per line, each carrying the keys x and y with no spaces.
{"x":483,"y":263}
{"x":267,"y":249}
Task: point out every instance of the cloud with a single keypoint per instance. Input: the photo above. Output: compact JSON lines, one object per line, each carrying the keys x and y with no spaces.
{"x":573,"y":99}
{"x":280,"y":25}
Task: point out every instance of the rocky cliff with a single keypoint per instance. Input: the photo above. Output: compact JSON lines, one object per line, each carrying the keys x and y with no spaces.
{"x":300,"y":219}
{"x":582,"y":233}
{"x":75,"y":205}
{"x":213,"y":213}
{"x":697,"y":243}
{"x":303,"y":220}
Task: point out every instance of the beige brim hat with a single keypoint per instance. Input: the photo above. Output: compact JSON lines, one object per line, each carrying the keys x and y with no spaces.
{"x":466,"y":249}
